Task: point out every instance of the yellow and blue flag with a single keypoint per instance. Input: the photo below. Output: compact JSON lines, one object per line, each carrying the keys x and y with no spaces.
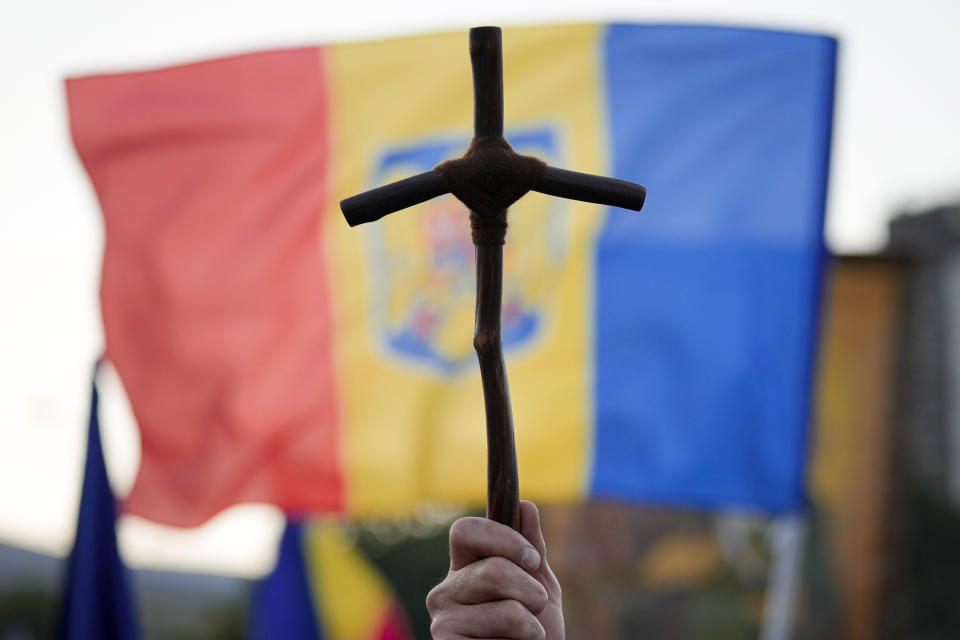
{"x":324,"y":586}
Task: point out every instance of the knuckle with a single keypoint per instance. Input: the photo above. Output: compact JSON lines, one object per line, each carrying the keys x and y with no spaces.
{"x":511,"y":618}
{"x":457,"y":532}
{"x":435,"y":597}
{"x":532,"y":631}
{"x":537,"y":632}
{"x":540,"y":599}
{"x":444,"y":628}
{"x":516,"y":613}
{"x":494,"y":570}
{"x":436,"y":630}
{"x":432,"y":600}
{"x":526,"y":626}
{"x":460,"y":531}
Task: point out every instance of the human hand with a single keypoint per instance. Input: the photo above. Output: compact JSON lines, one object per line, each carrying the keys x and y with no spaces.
{"x":499,"y":584}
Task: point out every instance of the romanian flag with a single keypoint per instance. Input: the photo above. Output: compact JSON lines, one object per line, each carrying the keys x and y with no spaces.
{"x":273,"y":354}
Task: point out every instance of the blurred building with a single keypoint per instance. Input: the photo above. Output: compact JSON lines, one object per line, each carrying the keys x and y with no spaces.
{"x":924,"y":523}
{"x":928,"y":245}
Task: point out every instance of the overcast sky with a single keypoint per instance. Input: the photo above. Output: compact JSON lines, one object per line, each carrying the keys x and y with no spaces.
{"x":896,"y":147}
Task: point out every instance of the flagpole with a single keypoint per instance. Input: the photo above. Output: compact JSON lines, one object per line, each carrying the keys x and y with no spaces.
{"x":787,"y":541}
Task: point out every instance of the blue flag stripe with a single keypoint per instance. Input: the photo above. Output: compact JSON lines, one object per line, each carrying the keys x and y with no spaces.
{"x":702,"y":371}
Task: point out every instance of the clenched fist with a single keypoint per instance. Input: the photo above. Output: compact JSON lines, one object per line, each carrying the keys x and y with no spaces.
{"x":499,"y":584}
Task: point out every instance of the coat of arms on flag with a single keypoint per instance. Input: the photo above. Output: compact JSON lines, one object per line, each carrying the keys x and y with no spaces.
{"x":422,"y":262}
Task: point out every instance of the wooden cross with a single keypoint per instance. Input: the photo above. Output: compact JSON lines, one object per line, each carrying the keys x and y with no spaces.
{"x":488,"y":179}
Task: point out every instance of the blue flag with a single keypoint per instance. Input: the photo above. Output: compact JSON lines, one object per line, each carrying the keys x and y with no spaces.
{"x":97,"y":604}
{"x":282,"y":605}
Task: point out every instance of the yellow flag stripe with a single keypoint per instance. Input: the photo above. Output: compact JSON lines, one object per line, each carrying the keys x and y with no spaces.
{"x":414,"y":424}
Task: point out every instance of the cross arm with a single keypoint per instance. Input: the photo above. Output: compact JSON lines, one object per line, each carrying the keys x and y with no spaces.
{"x":590,"y":188}
{"x":487,"y":60}
{"x":376,"y":203}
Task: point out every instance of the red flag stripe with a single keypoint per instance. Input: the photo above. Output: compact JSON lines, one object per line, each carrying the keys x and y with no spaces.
{"x":212,"y":178}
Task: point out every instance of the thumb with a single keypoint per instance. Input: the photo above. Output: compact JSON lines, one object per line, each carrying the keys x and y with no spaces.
{"x":530,"y":529}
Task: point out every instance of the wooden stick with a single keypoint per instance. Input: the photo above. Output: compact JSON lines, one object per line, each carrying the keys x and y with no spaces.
{"x":486,"y":59}
{"x":503,"y":484}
